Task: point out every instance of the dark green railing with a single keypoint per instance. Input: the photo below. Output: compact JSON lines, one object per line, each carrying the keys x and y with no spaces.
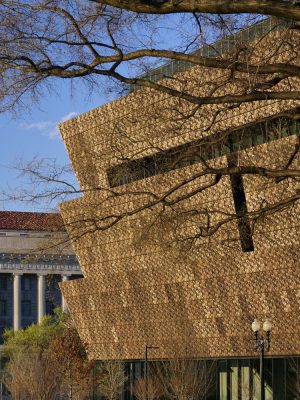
{"x":215,"y":49}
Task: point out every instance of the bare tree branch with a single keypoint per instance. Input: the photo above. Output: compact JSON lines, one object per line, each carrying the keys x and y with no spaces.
{"x":279,"y":8}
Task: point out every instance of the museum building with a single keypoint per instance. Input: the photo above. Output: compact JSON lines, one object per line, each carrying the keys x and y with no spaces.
{"x":34,"y":257}
{"x":177,"y":258}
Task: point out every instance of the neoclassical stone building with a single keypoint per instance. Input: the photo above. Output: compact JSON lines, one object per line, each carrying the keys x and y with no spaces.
{"x":34,"y":257}
{"x":160,"y":266}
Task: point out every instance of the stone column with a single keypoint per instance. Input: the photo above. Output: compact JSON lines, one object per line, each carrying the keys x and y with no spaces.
{"x":41,"y":296}
{"x":64,"y":306}
{"x":17,"y":301}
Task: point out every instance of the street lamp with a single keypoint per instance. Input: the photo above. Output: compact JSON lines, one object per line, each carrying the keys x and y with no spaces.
{"x":146,"y":366}
{"x":262,"y":344}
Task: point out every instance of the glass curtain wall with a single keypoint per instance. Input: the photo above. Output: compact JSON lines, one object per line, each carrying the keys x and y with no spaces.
{"x":239,"y":379}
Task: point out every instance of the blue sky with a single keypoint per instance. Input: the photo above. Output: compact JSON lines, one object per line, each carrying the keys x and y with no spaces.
{"x":36,"y":134}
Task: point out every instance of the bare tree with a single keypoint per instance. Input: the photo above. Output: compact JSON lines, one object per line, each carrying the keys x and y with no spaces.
{"x":187,"y":379}
{"x":94,"y":40}
{"x":112,"y":379}
{"x":169,"y":215}
{"x":33,"y":376}
{"x":150,"y":390}
{"x":287,"y":9}
{"x":48,"y":362}
{"x":76,"y":371}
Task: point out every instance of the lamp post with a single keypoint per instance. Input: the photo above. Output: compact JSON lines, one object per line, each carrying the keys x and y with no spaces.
{"x":262,"y":344}
{"x":146,"y":367}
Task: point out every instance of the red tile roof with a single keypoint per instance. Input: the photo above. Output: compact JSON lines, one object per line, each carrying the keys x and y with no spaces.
{"x":31,"y":221}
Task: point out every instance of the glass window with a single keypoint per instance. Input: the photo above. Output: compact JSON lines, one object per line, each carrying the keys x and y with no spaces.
{"x":293,"y":378}
{"x":26,"y":308}
{"x":148,"y":167}
{"x":26,"y":282}
{"x":3,"y":308}
{"x":223,"y":390}
{"x":269,"y":386}
{"x":50,"y":306}
{"x":3,"y":282}
{"x":239,"y":379}
{"x":245,"y":379}
{"x":184,"y":155}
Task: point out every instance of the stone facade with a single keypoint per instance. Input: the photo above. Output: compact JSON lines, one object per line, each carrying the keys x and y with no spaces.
{"x":34,"y":257}
{"x":146,"y":286}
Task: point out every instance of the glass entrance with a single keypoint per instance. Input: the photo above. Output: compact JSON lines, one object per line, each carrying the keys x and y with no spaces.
{"x":240,"y":379}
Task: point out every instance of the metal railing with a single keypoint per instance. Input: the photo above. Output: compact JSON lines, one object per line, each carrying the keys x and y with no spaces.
{"x":215,"y":49}
{"x":31,"y":262}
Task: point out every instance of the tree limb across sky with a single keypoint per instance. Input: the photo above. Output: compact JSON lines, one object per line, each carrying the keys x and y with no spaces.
{"x":208,"y":60}
{"x":279,"y":8}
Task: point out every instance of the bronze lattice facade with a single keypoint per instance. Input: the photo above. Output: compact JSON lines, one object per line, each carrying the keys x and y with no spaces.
{"x":143,"y":286}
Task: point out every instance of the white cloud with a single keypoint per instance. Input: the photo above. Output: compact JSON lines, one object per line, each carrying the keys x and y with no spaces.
{"x":70,"y":115}
{"x":48,"y":128}
{"x":39,"y":126}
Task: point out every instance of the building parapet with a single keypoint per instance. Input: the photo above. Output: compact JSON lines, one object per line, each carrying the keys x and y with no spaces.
{"x":32,"y":268}
{"x":17,"y":258}
{"x":215,"y":49}
{"x":28,"y":263}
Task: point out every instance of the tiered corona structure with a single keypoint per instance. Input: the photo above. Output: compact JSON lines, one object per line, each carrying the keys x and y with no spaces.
{"x":154,"y":277}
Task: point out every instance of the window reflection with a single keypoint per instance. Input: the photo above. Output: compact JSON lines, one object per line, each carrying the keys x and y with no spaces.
{"x":239,"y":379}
{"x":201,"y":150}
